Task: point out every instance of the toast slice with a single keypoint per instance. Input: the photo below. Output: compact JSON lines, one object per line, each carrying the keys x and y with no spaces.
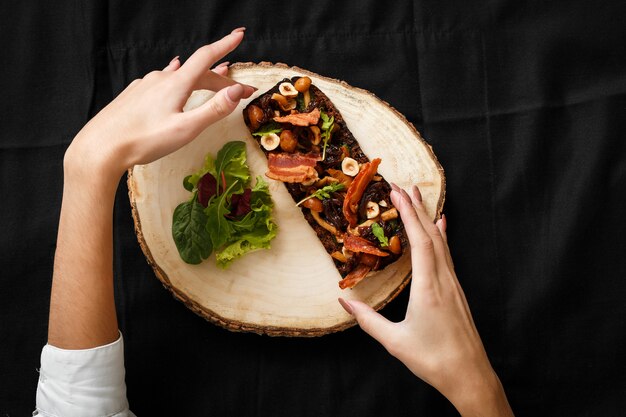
{"x":342,"y":196}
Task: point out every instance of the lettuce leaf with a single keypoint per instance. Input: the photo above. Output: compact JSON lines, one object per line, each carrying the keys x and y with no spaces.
{"x":254,"y":231}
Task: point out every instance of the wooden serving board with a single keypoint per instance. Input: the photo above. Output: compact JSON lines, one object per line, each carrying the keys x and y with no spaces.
{"x":290,"y":289}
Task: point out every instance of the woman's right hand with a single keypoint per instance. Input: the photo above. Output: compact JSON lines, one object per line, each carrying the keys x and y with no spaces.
{"x":437,"y":340}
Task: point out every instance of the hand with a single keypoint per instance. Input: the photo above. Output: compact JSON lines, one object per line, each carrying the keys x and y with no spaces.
{"x":146,"y":122}
{"x":437,"y":340}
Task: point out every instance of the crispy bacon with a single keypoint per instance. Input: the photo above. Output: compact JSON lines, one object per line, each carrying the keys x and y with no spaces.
{"x":294,"y":167}
{"x":356,"y":190}
{"x":358,"y":244}
{"x":355,"y":276}
{"x":300,"y":119}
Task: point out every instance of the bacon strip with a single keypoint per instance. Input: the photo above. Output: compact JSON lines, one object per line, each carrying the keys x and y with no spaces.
{"x":358,"y":244}
{"x":300,"y":119}
{"x":295,"y":167}
{"x":356,"y":190}
{"x":355,"y":276}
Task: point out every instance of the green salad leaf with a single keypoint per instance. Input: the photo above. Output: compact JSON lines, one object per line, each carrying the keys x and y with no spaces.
{"x":231,"y":167}
{"x":266,"y":129}
{"x":328,"y":123}
{"x":188,"y":227}
{"x":380,"y":234}
{"x":197,"y":231}
{"x":324,"y":192}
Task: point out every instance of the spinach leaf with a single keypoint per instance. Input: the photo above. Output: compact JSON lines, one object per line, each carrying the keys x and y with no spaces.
{"x":188,"y":229}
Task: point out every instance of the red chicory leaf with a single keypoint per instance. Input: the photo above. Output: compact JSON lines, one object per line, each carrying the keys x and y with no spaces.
{"x":207,"y":188}
{"x":240,"y":203}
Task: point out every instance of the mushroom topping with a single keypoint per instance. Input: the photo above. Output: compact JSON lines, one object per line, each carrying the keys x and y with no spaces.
{"x":284,"y":103}
{"x":270,"y":141}
{"x":316,"y":135}
{"x":302,"y":84}
{"x":324,"y":223}
{"x":372,"y":210}
{"x":288,"y":141}
{"x":350,"y":166}
{"x":288,"y":90}
{"x":390,"y":214}
{"x":255,"y":117}
{"x":382,"y":203}
{"x":394,"y":245}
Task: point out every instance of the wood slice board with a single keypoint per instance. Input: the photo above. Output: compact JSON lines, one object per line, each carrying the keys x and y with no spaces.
{"x":292,"y":288}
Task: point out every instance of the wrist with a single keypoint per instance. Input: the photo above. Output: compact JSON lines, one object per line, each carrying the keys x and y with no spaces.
{"x":482,"y":396}
{"x":84,"y":168}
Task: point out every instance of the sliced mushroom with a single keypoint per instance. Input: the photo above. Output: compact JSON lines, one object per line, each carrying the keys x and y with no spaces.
{"x":350,"y":167}
{"x":270,"y":141}
{"x":382,"y":203}
{"x":323,"y":223}
{"x":284,"y":103}
{"x":339,"y":256}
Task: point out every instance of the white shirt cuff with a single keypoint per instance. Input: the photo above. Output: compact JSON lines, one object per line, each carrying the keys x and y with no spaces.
{"x":86,"y":382}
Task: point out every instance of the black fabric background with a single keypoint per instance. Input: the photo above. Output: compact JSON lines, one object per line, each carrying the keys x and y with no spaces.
{"x":524,"y":104}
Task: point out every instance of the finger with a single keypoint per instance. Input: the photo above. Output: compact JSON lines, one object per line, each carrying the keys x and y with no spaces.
{"x":199,"y":63}
{"x":420,"y":209}
{"x":422,"y":250}
{"x":370,"y":321}
{"x":442,"y":225}
{"x":215,"y":82}
{"x":173,"y":65}
{"x":221,"y":69}
{"x":218,"y":107}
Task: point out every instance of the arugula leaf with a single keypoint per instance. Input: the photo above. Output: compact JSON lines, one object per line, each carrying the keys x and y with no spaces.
{"x":217,"y":225}
{"x":380,"y":234}
{"x":324,"y":192}
{"x":328,"y":123}
{"x":231,"y":162}
{"x":188,"y":229}
{"x":266,"y":129}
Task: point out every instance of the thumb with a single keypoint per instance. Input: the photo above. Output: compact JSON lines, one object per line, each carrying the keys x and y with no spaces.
{"x":219,"y":106}
{"x":370,"y":321}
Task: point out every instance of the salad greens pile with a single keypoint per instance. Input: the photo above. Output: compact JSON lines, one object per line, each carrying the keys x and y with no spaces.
{"x":225,"y":214}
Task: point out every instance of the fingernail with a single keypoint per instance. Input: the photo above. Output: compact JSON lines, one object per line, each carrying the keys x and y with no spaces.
{"x":405,"y":196}
{"x":235,"y":92}
{"x":224,"y":64}
{"x":239,"y":30}
{"x":174,"y":59}
{"x":417,"y":194}
{"x":395,"y":187}
{"x":346,"y":306}
{"x":444,"y":222}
